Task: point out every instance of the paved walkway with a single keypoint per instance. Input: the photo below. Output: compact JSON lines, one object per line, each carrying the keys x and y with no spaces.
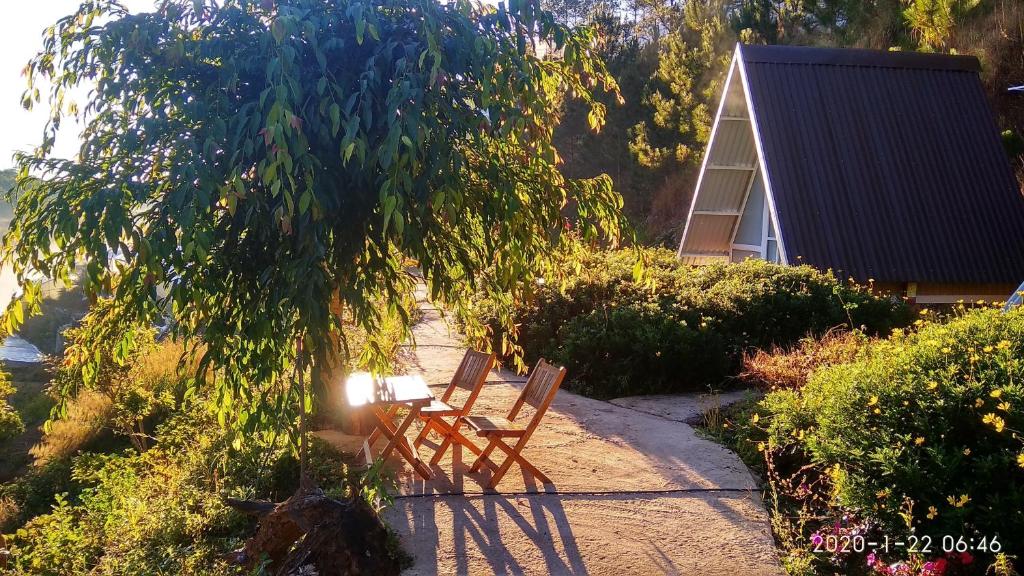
{"x":633,"y":493}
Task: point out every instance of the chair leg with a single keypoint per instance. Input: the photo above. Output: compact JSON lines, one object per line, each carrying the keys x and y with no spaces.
{"x":451,"y":433}
{"x":441,"y":449}
{"x":458,"y":437}
{"x":423,"y":433}
{"x":483,"y":455}
{"x":513,"y":454}
{"x":500,"y":472}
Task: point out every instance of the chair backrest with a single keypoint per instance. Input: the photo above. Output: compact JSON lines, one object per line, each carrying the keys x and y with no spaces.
{"x":471,"y":375}
{"x":540,"y":390}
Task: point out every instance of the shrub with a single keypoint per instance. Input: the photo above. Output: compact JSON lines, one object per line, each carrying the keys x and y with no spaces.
{"x":10,"y":421}
{"x":138,"y":378}
{"x":921,"y":432}
{"x":33,"y":493}
{"x":779,"y":368}
{"x":609,"y":328}
{"x":623,"y":351}
{"x":158,"y":512}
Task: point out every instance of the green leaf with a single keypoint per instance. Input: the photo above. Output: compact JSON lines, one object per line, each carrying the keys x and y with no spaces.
{"x":335,"y":119}
{"x":389,"y":207}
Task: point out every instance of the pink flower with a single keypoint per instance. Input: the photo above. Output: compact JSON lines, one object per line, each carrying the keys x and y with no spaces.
{"x":934,"y":568}
{"x":872,"y":559}
{"x":816,"y":539}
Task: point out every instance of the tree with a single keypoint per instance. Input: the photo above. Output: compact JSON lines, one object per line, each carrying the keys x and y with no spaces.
{"x":275,"y":157}
{"x":274,"y":165}
{"x":692,"y":63}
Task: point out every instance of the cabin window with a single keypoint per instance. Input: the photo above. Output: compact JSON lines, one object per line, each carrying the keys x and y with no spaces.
{"x":749,"y":231}
{"x":755,"y":233}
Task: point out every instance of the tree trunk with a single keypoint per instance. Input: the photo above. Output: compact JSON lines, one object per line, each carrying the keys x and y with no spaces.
{"x":310,"y":530}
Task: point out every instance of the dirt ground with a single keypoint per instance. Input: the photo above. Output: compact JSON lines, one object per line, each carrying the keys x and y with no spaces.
{"x":633,"y":492}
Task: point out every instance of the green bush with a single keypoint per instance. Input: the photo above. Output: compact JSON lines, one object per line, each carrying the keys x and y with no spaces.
{"x":629,"y":351}
{"x":921,"y":432}
{"x":157,"y":512}
{"x":682,"y":328}
{"x":10,"y":421}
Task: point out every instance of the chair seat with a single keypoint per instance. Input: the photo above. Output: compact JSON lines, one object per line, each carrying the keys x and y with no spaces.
{"x":439,"y":408}
{"x":494,"y":426}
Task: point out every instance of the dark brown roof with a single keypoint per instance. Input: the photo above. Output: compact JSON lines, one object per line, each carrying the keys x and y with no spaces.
{"x":886,"y":165}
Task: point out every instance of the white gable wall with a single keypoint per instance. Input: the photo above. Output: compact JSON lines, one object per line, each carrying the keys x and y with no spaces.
{"x":731,"y":213}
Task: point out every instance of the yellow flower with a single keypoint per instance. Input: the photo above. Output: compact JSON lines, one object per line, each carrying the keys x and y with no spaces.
{"x":932,"y":385}
{"x":974,"y":358}
{"x":988,"y":349}
{"x":877,"y":410}
{"x":978,"y":402}
{"x":760,"y":446}
{"x":996,"y":393}
{"x":919,"y":440}
{"x":1020,"y":459}
{"x":883,"y":493}
{"x":947,"y":350}
{"x":1004,"y":406}
{"x":967,"y":451}
{"x":1003,"y":344}
{"x":958,"y":502}
{"x":932,"y":512}
{"x":924,"y":311}
{"x":755,"y":418}
{"x":873,"y":401}
{"x":996,"y":422}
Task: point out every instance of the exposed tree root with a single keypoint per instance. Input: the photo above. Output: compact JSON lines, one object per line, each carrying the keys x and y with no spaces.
{"x":310,"y":533}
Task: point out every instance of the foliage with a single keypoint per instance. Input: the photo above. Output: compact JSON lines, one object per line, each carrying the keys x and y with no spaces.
{"x":10,"y":421}
{"x":59,"y":308}
{"x":681,"y":328}
{"x":934,"y":21}
{"x":120,"y":361}
{"x":920,"y":433}
{"x":287,"y":157}
{"x":161,"y":511}
{"x":780,"y":368}
{"x":681,"y":51}
{"x":684,"y":92}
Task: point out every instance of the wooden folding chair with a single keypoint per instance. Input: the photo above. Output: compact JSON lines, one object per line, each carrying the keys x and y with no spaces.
{"x":471,"y":375}
{"x":540,"y":390}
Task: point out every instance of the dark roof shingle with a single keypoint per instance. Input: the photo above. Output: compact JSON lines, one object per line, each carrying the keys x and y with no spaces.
{"x":886,"y":165}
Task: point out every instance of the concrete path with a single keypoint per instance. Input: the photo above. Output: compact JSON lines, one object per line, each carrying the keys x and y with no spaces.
{"x":633,"y":493}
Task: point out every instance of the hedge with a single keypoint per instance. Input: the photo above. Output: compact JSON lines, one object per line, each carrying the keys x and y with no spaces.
{"x":682,"y":328}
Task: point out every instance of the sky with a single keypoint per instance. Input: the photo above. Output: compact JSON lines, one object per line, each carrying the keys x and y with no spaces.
{"x":21,"y":33}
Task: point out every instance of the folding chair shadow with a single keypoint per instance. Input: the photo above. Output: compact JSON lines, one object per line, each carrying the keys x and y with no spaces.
{"x":470,"y":376}
{"x":539,"y":391}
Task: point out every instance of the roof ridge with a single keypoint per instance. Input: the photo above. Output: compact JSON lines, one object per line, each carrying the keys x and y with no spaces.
{"x":814,"y":55}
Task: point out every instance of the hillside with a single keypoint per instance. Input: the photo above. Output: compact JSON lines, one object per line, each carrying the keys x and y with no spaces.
{"x":6,"y":210}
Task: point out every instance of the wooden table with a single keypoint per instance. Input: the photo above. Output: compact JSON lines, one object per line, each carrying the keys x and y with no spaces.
{"x":384,"y":396}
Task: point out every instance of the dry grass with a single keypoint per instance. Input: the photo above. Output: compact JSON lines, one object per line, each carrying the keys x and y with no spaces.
{"x":87,"y":417}
{"x":165,"y":364}
{"x":780,"y":368}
